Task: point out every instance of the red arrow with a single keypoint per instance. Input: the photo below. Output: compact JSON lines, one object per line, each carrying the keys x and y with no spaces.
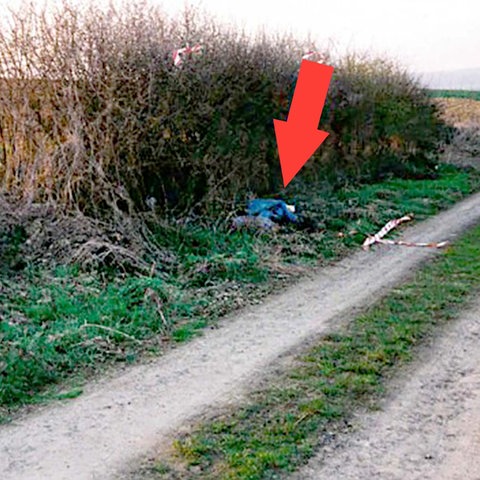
{"x":299,"y":137}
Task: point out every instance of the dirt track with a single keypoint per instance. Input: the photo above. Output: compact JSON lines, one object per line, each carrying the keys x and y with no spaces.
{"x":428,"y":427}
{"x":119,"y":420}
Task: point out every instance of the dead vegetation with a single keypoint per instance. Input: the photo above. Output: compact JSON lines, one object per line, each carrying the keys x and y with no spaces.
{"x":43,"y":235}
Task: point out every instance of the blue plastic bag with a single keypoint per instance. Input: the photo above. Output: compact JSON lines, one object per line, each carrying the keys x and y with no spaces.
{"x":275,"y":210}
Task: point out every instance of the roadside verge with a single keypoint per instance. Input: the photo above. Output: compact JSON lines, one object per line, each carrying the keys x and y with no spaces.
{"x":118,"y":420}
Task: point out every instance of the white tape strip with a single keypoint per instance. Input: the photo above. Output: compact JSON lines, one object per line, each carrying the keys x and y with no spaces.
{"x":314,"y":56}
{"x":414,"y":244}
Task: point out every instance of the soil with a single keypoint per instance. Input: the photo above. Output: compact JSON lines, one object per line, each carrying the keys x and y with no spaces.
{"x":118,"y":420}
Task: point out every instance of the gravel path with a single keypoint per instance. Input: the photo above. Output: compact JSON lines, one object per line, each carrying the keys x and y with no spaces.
{"x":118,"y":420}
{"x":428,"y":427}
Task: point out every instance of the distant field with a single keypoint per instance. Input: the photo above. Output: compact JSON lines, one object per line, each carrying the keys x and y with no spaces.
{"x":460,"y":111}
{"x":472,"y":94}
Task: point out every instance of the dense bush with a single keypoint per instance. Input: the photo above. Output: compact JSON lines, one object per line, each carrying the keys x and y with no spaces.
{"x":94,"y":115}
{"x":381,"y":123}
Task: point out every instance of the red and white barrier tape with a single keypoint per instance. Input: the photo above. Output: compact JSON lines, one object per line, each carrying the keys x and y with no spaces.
{"x":370,"y":240}
{"x":177,"y":55}
{"x":378,"y":237}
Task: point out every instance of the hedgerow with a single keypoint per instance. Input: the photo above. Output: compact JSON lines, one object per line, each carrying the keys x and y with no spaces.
{"x":95,"y":116}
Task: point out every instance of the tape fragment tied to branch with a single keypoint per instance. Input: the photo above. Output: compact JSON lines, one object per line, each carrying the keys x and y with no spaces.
{"x":180,"y":53}
{"x":315,"y":56}
{"x":378,"y":237}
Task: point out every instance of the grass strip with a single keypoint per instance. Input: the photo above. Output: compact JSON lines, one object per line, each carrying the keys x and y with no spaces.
{"x":64,"y":324}
{"x":472,"y":94}
{"x":283,"y":424}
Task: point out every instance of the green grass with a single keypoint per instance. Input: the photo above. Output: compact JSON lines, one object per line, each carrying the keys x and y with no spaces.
{"x":286,"y":422}
{"x":474,"y":95}
{"x":58,"y":327}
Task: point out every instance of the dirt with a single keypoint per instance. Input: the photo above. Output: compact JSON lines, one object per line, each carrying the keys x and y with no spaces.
{"x":429,"y":425}
{"x":117,"y":421}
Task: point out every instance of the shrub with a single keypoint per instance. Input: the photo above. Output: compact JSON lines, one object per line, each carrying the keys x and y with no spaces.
{"x":381,"y":121}
{"x":94,"y":115}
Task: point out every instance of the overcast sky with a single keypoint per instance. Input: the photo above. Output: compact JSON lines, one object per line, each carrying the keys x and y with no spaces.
{"x":425,"y":35}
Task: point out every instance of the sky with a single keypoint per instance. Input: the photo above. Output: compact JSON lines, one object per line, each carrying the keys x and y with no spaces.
{"x":424,"y":35}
